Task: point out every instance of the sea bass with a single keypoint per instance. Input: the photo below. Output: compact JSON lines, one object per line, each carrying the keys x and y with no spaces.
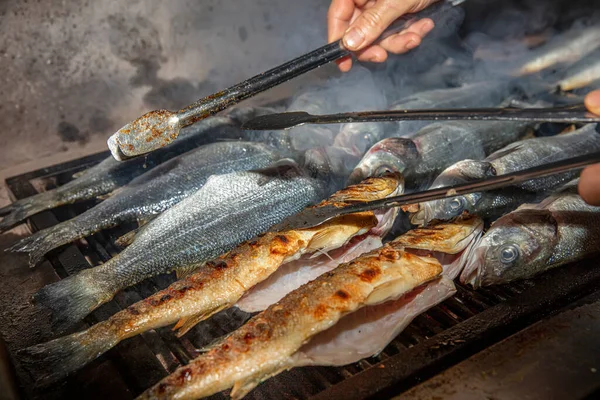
{"x":340,"y":317}
{"x":220,"y":283}
{"x":514,"y":157}
{"x":435,"y":147}
{"x":565,"y":49}
{"x":584,"y":73}
{"x":196,"y":230}
{"x":266,"y":345}
{"x":111,"y":174}
{"x":152,"y":193}
{"x":535,"y":238}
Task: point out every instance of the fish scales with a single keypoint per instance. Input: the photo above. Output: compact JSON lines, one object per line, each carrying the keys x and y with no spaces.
{"x":270,"y":339}
{"x":217,"y":284}
{"x":152,"y":192}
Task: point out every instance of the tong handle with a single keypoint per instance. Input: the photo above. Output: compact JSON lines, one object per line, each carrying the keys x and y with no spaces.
{"x":219,"y":101}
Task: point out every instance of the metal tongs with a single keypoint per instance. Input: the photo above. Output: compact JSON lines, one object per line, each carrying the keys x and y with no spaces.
{"x":311,"y":217}
{"x":160,"y":127}
{"x":564,"y":114}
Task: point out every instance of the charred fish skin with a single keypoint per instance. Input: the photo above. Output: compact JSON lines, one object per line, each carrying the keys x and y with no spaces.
{"x":152,"y":193}
{"x":435,"y":147}
{"x":111,"y":174}
{"x":190,"y":233}
{"x":264,"y":346}
{"x":514,"y":157}
{"x":535,"y":238}
{"x":216,"y":285}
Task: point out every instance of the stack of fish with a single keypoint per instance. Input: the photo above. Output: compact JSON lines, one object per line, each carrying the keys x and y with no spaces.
{"x":210,"y":212}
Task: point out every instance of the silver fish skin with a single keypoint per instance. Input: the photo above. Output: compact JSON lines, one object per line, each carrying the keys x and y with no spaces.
{"x":565,"y":49}
{"x":535,"y":238}
{"x":111,"y":174}
{"x":481,"y":94}
{"x":152,"y":193}
{"x":197,"y":229}
{"x":435,"y":147}
{"x":514,"y":157}
{"x":584,"y":73}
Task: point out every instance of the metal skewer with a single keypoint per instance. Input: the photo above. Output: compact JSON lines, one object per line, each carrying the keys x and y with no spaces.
{"x":311,"y":217}
{"x":158,"y":128}
{"x":566,"y":114}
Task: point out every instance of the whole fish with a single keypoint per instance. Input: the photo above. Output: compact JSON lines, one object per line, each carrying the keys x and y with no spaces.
{"x":152,"y":193}
{"x":535,"y":238}
{"x":480,"y":94}
{"x":302,"y":328}
{"x":565,"y":49}
{"x":514,"y":157}
{"x":435,"y":147}
{"x":111,"y":174}
{"x":219,"y":283}
{"x":449,"y":242}
{"x":584,"y":73}
{"x":227,"y":210}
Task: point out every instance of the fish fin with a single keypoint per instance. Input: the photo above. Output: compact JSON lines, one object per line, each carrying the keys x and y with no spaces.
{"x":22,"y":209}
{"x":215,"y":343}
{"x":79,"y":174}
{"x":58,"y":358}
{"x":511,"y":148}
{"x":185,"y":324}
{"x":244,"y":386}
{"x":285,"y":167}
{"x":107,"y":195}
{"x":184,"y":272}
{"x":126,"y":239}
{"x":71,"y":299}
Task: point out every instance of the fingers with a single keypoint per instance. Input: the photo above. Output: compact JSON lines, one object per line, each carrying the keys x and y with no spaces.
{"x":592,"y":102}
{"x":409,"y":38}
{"x":374,"y":20}
{"x":338,"y":18}
{"x":589,"y":185}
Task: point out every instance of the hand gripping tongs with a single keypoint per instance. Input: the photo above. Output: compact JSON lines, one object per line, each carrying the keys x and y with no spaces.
{"x":160,"y":127}
{"x":311,"y":217}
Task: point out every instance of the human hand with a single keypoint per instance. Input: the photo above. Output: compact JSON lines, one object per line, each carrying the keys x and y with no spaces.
{"x":361,"y":22}
{"x":589,"y":182}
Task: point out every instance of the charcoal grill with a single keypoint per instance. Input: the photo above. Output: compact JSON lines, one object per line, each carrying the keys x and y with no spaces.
{"x":445,"y":335}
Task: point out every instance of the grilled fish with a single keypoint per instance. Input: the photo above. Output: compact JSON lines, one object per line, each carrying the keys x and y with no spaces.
{"x":111,"y":174}
{"x":435,"y":147}
{"x":535,"y":238}
{"x":566,"y":49}
{"x":219,"y":283}
{"x":517,"y":156}
{"x":582,"y":74}
{"x":265,"y":346}
{"x":152,"y":192}
{"x":340,"y":317}
{"x":190,"y":233}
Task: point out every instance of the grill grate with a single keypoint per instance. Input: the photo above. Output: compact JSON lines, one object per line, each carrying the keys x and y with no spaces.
{"x":448,"y":333}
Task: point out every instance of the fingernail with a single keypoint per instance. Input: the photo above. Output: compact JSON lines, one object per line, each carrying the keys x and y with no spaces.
{"x":353,"y":39}
{"x":427,"y":27}
{"x":411,"y":44}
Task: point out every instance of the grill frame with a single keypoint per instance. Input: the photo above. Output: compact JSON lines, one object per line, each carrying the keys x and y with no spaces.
{"x":434,"y":341}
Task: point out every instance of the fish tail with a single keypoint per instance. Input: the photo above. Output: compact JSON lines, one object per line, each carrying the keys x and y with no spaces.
{"x":73,"y":298}
{"x":22,"y":209}
{"x":54,"y":360}
{"x":40,"y":243}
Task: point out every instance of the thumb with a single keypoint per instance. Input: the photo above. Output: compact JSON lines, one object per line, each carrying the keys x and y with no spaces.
{"x":592,"y":102}
{"x":372,"y":22}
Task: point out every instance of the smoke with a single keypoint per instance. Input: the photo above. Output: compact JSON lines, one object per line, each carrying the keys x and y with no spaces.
{"x":76,"y":71}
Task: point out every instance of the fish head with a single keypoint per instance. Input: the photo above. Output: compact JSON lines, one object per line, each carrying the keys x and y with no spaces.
{"x":517,"y":246}
{"x":446,"y":209}
{"x":358,"y":136}
{"x":330,"y":163}
{"x":388,"y":155}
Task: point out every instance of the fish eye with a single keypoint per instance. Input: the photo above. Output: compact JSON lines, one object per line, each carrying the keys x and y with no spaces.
{"x":509,"y":254}
{"x":457,"y":204}
{"x":384,"y":169}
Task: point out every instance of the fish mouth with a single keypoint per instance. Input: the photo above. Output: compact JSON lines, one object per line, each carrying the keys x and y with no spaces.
{"x":473,"y":270}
